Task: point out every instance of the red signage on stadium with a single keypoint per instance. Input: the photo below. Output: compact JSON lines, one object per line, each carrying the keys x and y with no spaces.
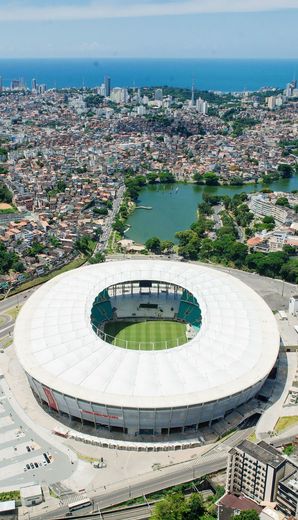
{"x":51,"y":399}
{"x":100,"y":414}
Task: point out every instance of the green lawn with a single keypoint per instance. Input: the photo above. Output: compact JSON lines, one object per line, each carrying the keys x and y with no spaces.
{"x":146,"y":335}
{"x":286,"y":422}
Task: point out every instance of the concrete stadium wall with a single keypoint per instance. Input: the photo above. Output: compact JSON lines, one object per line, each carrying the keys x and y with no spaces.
{"x":139,"y":422}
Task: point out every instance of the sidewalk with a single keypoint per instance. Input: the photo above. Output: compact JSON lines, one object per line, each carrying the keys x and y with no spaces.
{"x":287,"y":369}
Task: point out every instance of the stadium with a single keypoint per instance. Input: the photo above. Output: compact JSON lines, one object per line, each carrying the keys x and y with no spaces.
{"x":145,"y":348}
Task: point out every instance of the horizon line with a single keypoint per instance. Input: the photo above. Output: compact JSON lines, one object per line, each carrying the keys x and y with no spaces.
{"x":145,"y":58}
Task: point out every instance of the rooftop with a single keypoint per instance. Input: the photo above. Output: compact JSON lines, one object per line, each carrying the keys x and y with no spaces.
{"x":263,"y":452}
{"x":235,"y":348}
{"x":238,"y":502}
{"x":30,"y":491}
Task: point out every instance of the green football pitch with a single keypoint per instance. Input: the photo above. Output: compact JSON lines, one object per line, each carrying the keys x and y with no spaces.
{"x":146,"y":335}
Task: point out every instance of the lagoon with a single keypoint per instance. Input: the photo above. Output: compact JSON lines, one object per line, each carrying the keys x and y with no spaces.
{"x":174,"y":206}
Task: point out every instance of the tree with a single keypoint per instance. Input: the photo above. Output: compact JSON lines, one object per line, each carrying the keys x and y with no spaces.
{"x":153,"y":244}
{"x":189,"y":244}
{"x":97,"y":233}
{"x":55,"y":242}
{"x":289,"y":270}
{"x":268,"y":219}
{"x":236,"y":181}
{"x":206,"y":249}
{"x":205,"y":208}
{"x":119,"y":226}
{"x":166,"y":246}
{"x":107,"y":203}
{"x":282,"y":201}
{"x":85,"y":244}
{"x":173,"y":507}
{"x":166,"y":177}
{"x":100,"y":211}
{"x":61,"y":186}
{"x":9,"y":260}
{"x":238,"y":253}
{"x":19,"y":267}
{"x":269,"y":222}
{"x":195,"y":507}
{"x":198,"y":178}
{"x":176,"y":507}
{"x":288,"y":450}
{"x":133,"y":187}
{"x":201,"y":226}
{"x":285,"y":170}
{"x":152,"y":177}
{"x":3,"y":153}
{"x":36,"y":248}
{"x":211,"y":179}
{"x":97,"y":258}
{"x":5,"y":194}
{"x":269,"y":264}
{"x":213,"y":200}
{"x":289,"y":250}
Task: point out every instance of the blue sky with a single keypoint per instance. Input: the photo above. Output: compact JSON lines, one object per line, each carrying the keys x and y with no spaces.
{"x":149,"y":28}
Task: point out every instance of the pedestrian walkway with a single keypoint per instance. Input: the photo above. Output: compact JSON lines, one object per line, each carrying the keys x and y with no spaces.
{"x":286,"y":371}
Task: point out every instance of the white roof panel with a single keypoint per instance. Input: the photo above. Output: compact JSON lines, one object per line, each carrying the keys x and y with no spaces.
{"x":235,"y":348}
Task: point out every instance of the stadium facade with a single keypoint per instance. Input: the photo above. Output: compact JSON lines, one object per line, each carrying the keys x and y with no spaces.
{"x":73,"y":370}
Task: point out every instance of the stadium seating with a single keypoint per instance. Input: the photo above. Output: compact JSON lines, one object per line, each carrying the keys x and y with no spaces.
{"x":189,"y":310}
{"x":132,"y":305}
{"x":102,"y":309}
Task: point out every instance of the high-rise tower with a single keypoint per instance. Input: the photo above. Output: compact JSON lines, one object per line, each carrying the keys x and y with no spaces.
{"x":107,"y":82}
{"x":193,"y":94}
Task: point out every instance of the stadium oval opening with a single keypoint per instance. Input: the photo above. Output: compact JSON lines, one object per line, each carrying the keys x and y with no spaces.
{"x":146,"y":315}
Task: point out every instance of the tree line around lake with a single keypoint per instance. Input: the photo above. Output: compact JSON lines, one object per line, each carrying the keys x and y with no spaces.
{"x":283,"y":171}
{"x":224,"y":247}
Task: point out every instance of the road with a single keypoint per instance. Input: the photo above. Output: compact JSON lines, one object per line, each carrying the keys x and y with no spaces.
{"x":181,"y":473}
{"x":8,"y":303}
{"x":109,"y":221}
{"x":17,"y":299}
{"x":215,"y":460}
{"x":138,"y":512}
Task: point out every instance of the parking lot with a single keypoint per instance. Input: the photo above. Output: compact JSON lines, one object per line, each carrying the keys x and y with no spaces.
{"x":25,"y":457}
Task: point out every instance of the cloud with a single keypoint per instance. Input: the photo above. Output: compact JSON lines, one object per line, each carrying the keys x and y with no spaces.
{"x":96,"y":9}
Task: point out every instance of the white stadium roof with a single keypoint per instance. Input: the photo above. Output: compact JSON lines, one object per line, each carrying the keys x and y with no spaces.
{"x":236,"y":346}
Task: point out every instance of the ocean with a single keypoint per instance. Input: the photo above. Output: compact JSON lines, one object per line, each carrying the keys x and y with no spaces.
{"x":208,"y":74}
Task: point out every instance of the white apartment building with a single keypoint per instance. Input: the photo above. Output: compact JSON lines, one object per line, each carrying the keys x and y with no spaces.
{"x":119,"y":95}
{"x":254,"y":470}
{"x":262,"y":206}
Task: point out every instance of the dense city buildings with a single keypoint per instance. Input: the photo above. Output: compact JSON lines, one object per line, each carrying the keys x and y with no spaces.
{"x":65,"y":155}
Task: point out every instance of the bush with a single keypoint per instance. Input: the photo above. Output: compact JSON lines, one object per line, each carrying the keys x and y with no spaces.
{"x":9,"y":495}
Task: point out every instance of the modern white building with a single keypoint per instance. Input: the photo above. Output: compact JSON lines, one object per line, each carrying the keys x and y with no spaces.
{"x":261,"y":205}
{"x":75,"y":372}
{"x":202,"y":106}
{"x":293,"y":305}
{"x":31,"y":495}
{"x":119,"y":95}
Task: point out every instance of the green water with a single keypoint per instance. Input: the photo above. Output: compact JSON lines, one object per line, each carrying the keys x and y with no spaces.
{"x":174,"y":206}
